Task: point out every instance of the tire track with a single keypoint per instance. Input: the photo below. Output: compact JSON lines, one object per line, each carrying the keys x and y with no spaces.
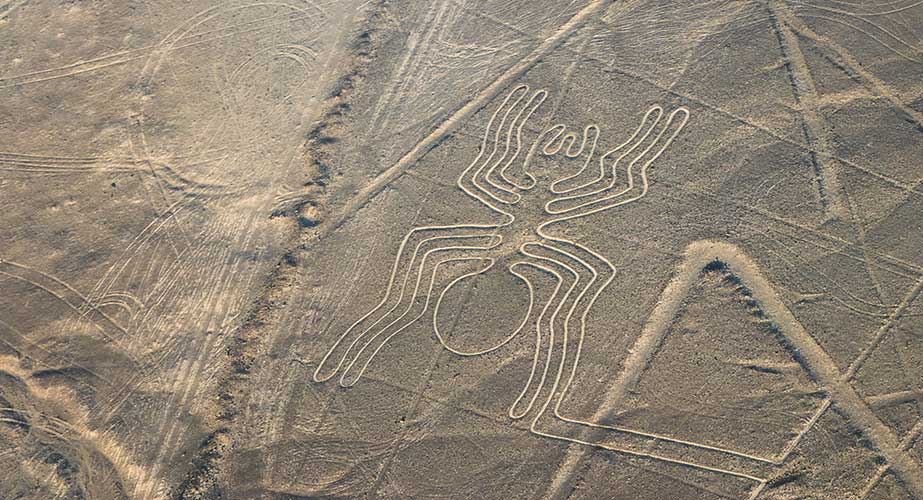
{"x":420,"y":149}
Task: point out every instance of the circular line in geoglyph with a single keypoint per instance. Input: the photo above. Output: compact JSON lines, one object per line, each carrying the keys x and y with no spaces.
{"x":505,"y":110}
{"x":600,"y":199}
{"x":510,"y":337}
{"x":590,"y":272}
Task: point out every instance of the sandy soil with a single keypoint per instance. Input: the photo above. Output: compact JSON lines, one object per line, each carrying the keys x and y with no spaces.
{"x":634,"y":249}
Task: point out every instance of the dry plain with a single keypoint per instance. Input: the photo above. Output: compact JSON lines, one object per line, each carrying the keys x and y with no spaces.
{"x":636,"y":249}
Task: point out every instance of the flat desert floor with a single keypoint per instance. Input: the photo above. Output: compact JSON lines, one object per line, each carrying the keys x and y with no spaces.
{"x":563,"y":249}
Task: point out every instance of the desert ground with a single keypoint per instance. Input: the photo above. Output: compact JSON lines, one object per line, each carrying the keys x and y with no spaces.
{"x":562,"y":249}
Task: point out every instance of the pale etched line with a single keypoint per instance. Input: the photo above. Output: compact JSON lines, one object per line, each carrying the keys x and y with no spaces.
{"x":214,"y":307}
{"x":877,"y":39}
{"x":519,"y":92}
{"x":567,"y":469}
{"x":103,"y":59}
{"x":503,"y":342}
{"x":479,"y":101}
{"x":565,"y":87}
{"x":460,"y":182}
{"x":562,"y":394}
{"x":435,"y":22}
{"x":884,"y":329}
{"x":591,"y":136}
{"x":480,"y":188}
{"x":560,"y":482}
{"x":427,"y":295}
{"x":7,"y":8}
{"x":496,"y":142}
{"x":603,"y":203}
{"x":232,"y":77}
{"x":185,"y":35}
{"x":908,"y":189}
{"x":348,"y":368}
{"x":862,"y":18}
{"x":593,"y":204}
{"x":613,"y":201}
{"x":865,"y":14}
{"x":511,"y":412}
{"x":842,"y":302}
{"x":572,"y":309}
{"x":801,"y":232}
{"x":83,"y":67}
{"x":570,"y":312}
{"x":894,"y":398}
{"x":551,"y":322}
{"x":531,"y":106}
{"x":130,"y":251}
{"x":828,"y":185}
{"x":845,"y":59}
{"x":609,"y":201}
{"x":602,"y":160}
{"x":915,"y":489}
{"x":809,"y":425}
{"x":21,"y":272}
{"x":815,"y":359}
{"x":906,"y":445}
{"x":387,"y":295}
{"x":169,"y":42}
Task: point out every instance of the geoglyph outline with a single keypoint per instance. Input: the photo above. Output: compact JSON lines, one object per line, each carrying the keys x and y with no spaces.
{"x":498,"y":190}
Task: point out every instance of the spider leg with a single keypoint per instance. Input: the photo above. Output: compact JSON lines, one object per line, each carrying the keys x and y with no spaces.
{"x":399,"y":290}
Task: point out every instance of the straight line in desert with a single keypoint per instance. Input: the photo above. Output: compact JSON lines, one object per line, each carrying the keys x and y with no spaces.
{"x":909,"y":189}
{"x":816,"y":361}
{"x":840,"y":55}
{"x":420,"y":149}
{"x":806,"y":97}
